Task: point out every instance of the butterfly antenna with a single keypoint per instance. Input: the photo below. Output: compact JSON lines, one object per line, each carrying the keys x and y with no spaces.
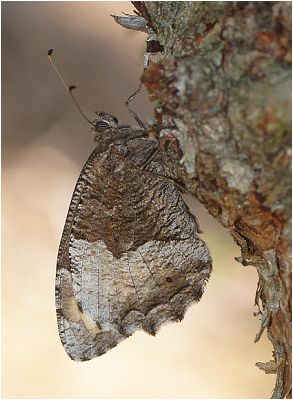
{"x":68,"y":88}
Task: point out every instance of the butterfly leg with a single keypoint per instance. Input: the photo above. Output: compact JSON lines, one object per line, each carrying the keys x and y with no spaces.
{"x":135,"y":116}
{"x":164,"y":142}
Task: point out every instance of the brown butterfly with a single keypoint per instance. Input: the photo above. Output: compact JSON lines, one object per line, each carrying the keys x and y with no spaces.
{"x":130,"y":257}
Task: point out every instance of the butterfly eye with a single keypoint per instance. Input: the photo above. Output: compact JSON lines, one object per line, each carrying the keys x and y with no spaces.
{"x":101,"y":126}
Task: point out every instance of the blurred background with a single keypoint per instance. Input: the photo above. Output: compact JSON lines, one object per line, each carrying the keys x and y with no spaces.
{"x":45,"y":142}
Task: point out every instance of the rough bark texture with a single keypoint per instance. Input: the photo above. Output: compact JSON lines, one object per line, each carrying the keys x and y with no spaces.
{"x":225,"y":79}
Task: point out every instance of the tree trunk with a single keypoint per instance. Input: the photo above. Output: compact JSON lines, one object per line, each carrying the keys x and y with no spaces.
{"x":224,"y":77}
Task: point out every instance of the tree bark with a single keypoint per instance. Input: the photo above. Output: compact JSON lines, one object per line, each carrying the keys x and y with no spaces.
{"x":224,"y":77}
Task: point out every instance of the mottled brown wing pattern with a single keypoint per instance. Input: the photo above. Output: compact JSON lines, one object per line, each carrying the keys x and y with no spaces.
{"x":129,"y":257}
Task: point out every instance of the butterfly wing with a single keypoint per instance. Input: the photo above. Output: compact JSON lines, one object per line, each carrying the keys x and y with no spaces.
{"x":129,"y":257}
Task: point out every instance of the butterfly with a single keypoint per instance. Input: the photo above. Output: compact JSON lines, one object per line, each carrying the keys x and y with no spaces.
{"x":130,"y":257}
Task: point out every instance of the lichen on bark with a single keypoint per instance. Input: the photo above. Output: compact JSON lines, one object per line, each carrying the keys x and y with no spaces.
{"x":225,"y":79}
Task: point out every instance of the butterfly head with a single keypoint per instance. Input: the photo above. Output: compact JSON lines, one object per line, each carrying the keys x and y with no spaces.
{"x":105,"y":123}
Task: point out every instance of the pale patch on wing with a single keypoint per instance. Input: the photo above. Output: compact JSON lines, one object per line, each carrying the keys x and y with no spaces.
{"x":90,"y":325}
{"x":70,"y":308}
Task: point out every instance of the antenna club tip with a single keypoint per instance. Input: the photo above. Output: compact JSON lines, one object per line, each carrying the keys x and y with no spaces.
{"x":50,"y":52}
{"x":72,"y":87}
